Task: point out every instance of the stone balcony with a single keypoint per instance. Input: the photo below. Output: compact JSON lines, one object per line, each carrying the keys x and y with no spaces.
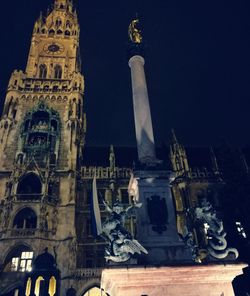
{"x":24,"y":233}
{"x":87,"y":273}
{"x":105,"y":173}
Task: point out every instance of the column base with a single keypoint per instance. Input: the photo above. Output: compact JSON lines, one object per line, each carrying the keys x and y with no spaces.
{"x":197,"y":280}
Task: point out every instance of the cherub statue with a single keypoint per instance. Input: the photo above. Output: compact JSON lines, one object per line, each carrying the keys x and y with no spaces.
{"x":134,"y":33}
{"x":121,"y":244}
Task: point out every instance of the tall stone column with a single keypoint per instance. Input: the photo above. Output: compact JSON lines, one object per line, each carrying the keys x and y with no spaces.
{"x":150,"y":183}
{"x":142,"y":114}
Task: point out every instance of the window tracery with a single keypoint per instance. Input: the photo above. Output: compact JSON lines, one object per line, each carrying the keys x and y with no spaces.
{"x":25,"y":219}
{"x":19,"y":260}
{"x":58,"y":72}
{"x":42,"y":71}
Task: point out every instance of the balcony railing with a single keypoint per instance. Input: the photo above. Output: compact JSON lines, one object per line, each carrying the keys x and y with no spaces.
{"x":24,"y":233}
{"x":35,"y":198}
{"x":105,"y":173}
{"x":87,"y":272}
{"x":28,"y":197}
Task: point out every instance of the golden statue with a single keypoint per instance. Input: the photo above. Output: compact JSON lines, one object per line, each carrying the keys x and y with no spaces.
{"x":134,"y":33}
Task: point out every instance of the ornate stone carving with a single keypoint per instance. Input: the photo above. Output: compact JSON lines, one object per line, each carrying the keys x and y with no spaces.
{"x":121,"y":243}
{"x":6,"y":213}
{"x":43,"y":218}
{"x":216,"y":242}
{"x":54,"y":221}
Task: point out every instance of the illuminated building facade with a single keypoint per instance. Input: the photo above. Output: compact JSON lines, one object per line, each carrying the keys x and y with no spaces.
{"x":46,"y":241}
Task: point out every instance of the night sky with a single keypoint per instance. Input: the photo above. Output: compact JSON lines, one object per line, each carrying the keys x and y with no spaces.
{"x":197,"y":66}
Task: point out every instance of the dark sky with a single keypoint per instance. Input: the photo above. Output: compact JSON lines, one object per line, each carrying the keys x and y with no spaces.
{"x":197,"y":66}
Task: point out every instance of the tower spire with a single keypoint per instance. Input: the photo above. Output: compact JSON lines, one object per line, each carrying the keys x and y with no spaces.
{"x":64,"y":5}
{"x":214,"y":160}
{"x":173,"y":137}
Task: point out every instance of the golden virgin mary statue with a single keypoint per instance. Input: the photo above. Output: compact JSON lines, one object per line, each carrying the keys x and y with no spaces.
{"x":134,"y":33}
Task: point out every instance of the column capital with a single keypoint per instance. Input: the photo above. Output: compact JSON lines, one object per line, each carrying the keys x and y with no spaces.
{"x":136,"y":58}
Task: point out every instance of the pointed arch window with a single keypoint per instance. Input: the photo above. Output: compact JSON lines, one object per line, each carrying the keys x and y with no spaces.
{"x":25,"y":219}
{"x":51,"y":32}
{"x":58,"y":72}
{"x":42,"y":71}
{"x":52,"y":286}
{"x":68,"y":24}
{"x":58,"y":22}
{"x":29,"y":188}
{"x":39,"y":286}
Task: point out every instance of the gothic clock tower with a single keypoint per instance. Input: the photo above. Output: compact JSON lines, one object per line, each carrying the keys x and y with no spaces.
{"x":42,"y":135}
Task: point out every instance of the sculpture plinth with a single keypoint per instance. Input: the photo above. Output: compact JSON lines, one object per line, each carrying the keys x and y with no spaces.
{"x":156,"y":221}
{"x":209,"y":280}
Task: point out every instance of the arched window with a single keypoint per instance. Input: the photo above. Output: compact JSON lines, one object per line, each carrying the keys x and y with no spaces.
{"x":58,"y":22}
{"x":94,"y":292}
{"x":67,"y":33}
{"x":19,"y":260}
{"x":58,"y":72}
{"x":40,"y":286}
{"x":25,"y":219}
{"x":44,"y":276}
{"x":52,"y":286}
{"x":51,"y":32}
{"x":42,"y":71}
{"x":29,"y":188}
{"x":68,"y":24}
{"x":71,"y":292}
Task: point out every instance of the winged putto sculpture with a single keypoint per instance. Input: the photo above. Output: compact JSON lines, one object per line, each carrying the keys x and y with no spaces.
{"x":121,"y":243}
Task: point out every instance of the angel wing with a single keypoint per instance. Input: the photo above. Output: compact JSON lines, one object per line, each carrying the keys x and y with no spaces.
{"x":133,"y":246}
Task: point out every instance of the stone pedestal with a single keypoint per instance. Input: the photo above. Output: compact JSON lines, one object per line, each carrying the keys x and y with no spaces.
{"x":210,"y":280}
{"x":156,"y":220}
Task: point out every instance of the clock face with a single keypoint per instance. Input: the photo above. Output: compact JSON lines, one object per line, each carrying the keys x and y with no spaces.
{"x":53,"y":48}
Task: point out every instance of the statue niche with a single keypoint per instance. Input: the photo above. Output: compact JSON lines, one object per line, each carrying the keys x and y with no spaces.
{"x":40,"y":133}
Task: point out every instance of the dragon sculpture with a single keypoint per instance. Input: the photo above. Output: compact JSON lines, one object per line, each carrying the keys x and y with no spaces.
{"x":216,"y":242}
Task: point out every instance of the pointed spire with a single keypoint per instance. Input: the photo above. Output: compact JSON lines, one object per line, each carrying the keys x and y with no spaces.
{"x":214,"y":160}
{"x":112,"y":183}
{"x":173,"y":137}
{"x":243,"y":161}
{"x":64,"y":4}
{"x":112,"y":160}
